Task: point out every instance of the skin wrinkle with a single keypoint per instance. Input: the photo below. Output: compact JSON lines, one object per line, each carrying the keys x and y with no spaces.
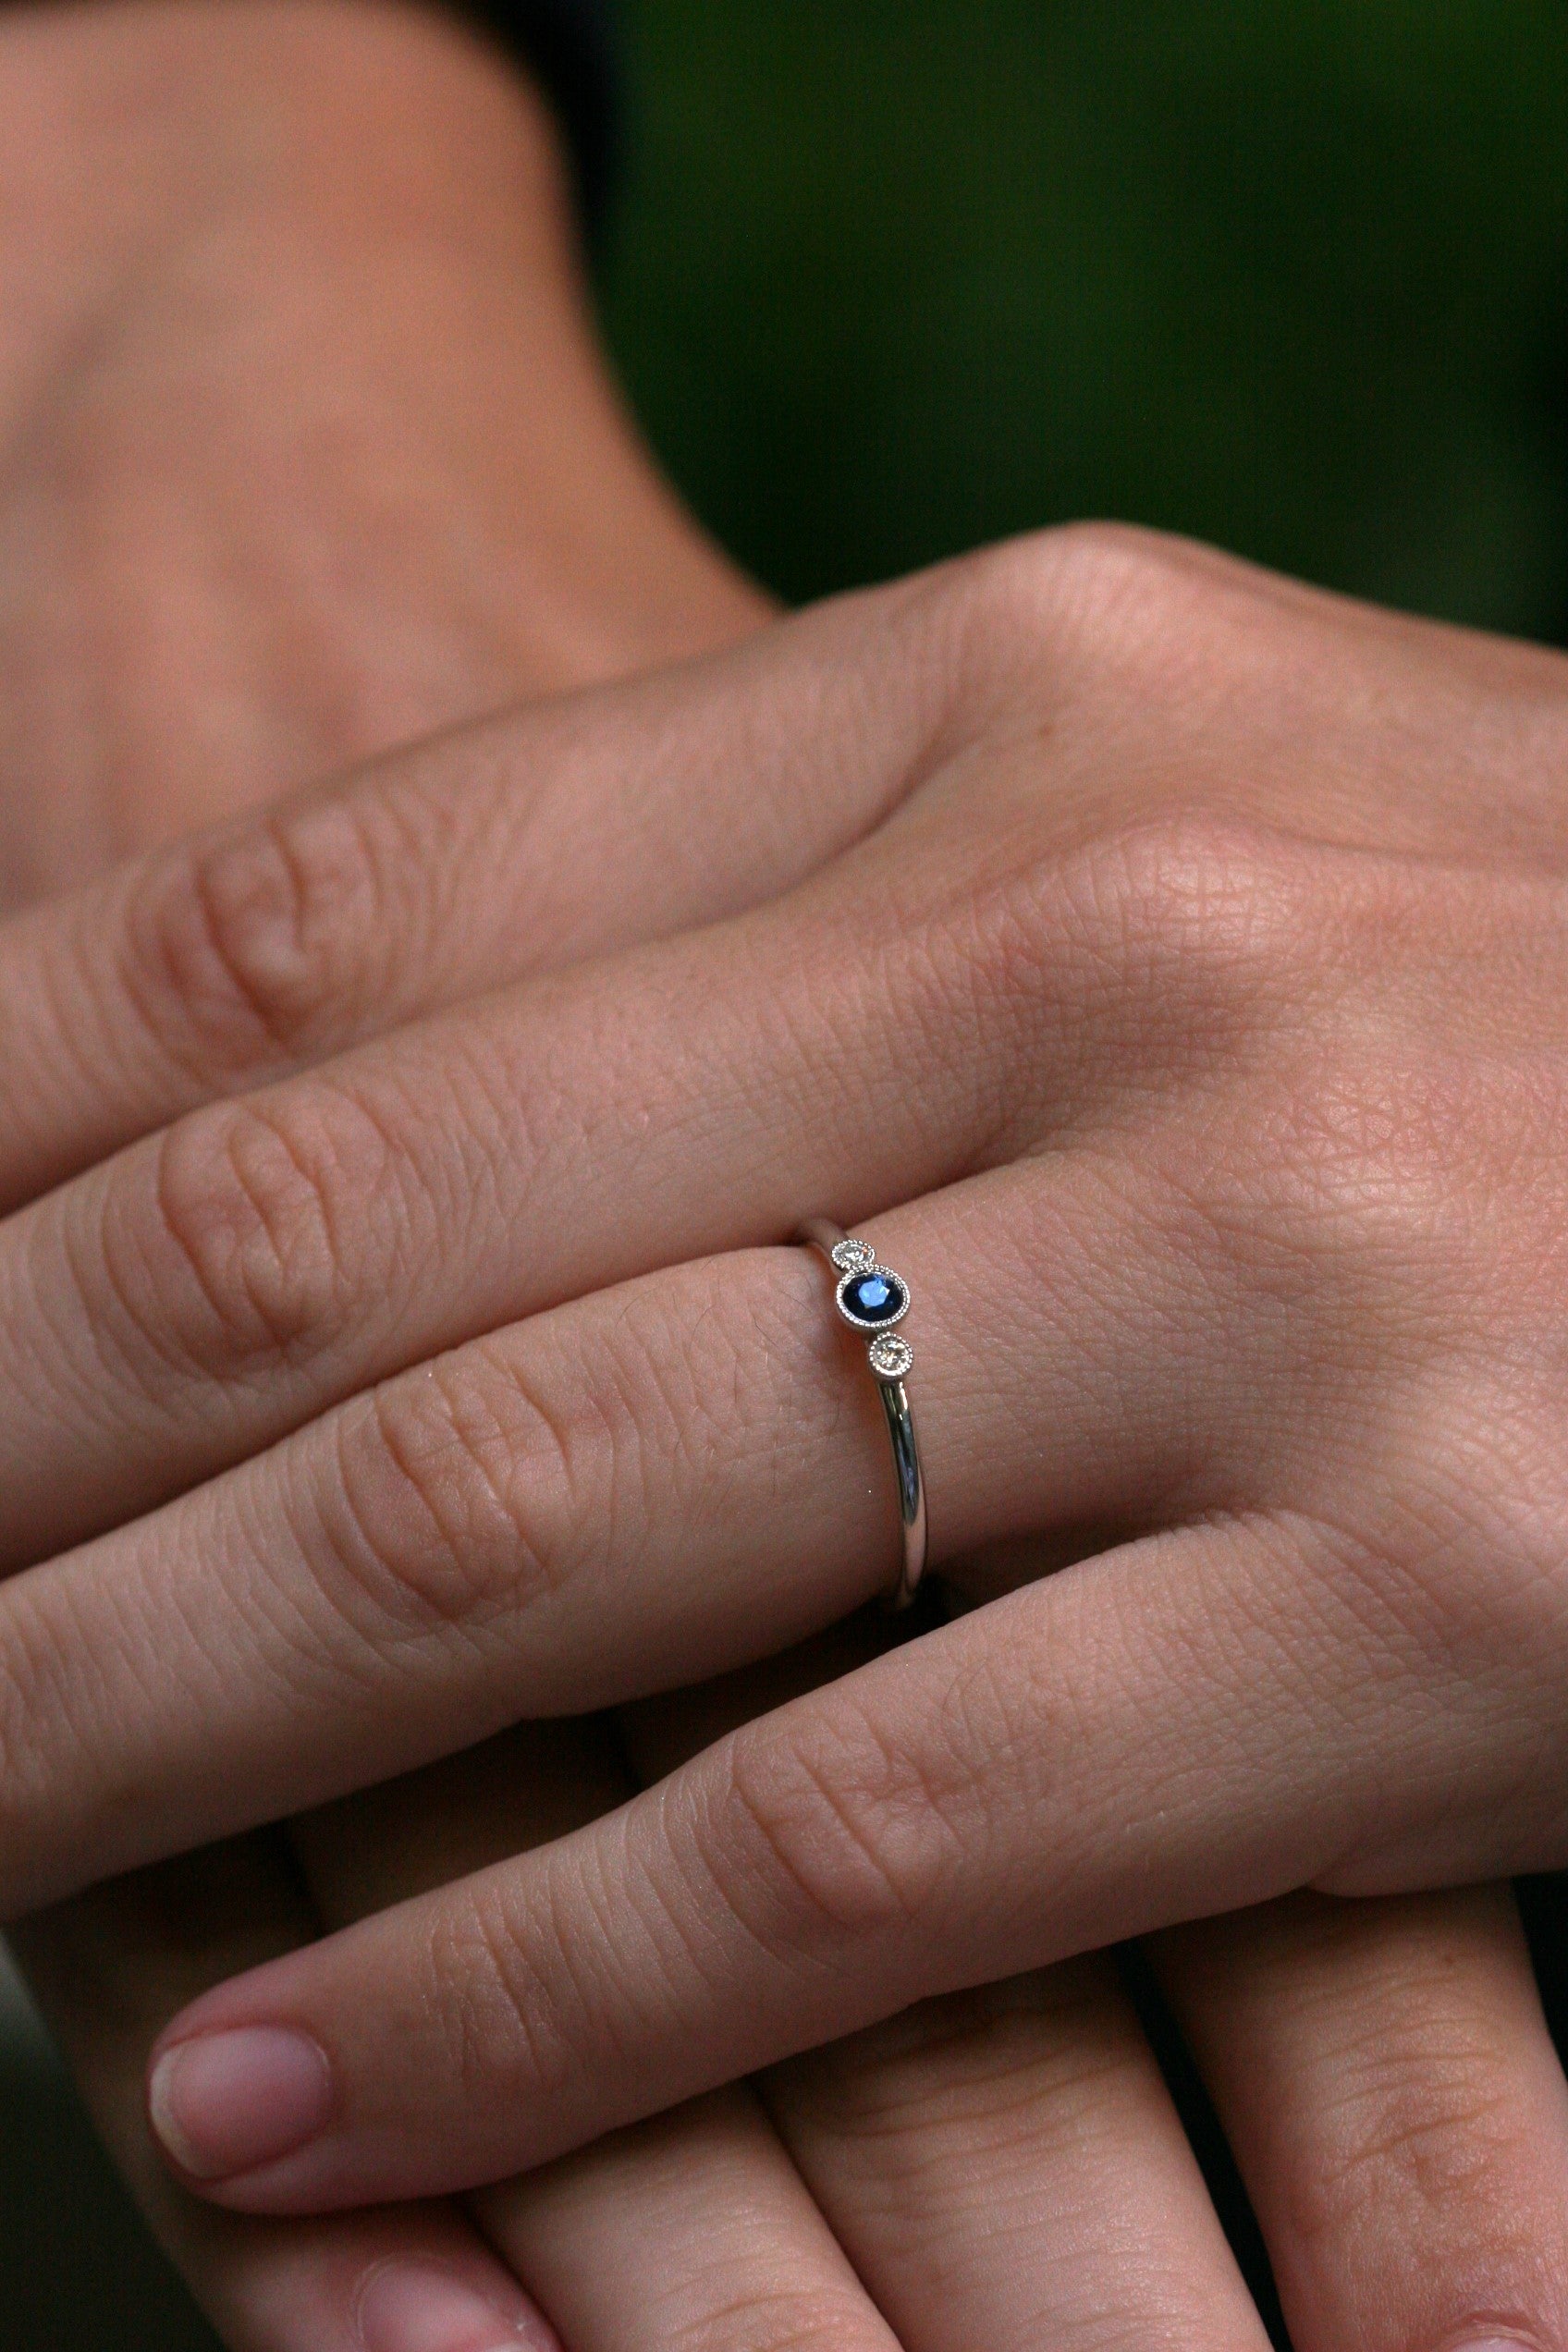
{"x":65,"y":1682}
{"x":75,"y":1382}
{"x":306,"y":1639}
{"x":244,"y":1219}
{"x":634,"y":1895}
{"x":546,"y":2020}
{"x":31,"y":1683}
{"x":301,"y":1651}
{"x":845,"y":1858}
{"x":687,"y":1938}
{"x":928,"y":2107}
{"x":1357,"y":2053}
{"x":702,"y":1829}
{"x":393,"y":1642}
{"x":441,"y":1547}
{"x":84,"y":1013}
{"x":1444,"y":2148}
{"x":1174,"y":1795}
{"x":690,"y":1834}
{"x":649,"y":1408}
{"x":75,"y":995}
{"x":493,"y":2012}
{"x":783,"y":2323}
{"x":250,"y":908}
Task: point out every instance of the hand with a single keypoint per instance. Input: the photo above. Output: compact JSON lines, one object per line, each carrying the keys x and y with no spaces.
{"x":226,"y":375}
{"x":309,"y":449}
{"x":804,"y":678}
{"x":254,"y":367}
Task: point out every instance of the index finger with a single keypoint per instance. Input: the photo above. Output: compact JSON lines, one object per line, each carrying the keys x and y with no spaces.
{"x":1181,"y":1728}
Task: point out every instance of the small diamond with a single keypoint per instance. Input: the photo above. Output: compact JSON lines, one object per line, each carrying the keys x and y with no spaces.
{"x":891,"y":1357}
{"x":852,"y":1257}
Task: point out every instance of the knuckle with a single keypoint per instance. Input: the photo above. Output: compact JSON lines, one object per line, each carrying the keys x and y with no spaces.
{"x":251,"y":951}
{"x":456,"y":1490}
{"x":1029,"y":2064}
{"x":1054,"y":607}
{"x":1187,"y":889}
{"x":1437,"y":2134}
{"x":501,"y":2026}
{"x":844,"y":1835}
{"x":242,"y":1254}
{"x":1181,"y":932}
{"x":738,"y":2312}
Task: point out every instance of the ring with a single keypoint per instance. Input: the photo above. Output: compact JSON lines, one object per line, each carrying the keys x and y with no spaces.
{"x":871,"y":1298}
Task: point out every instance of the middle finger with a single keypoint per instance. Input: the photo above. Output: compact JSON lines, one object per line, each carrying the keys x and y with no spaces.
{"x":212,"y":1288}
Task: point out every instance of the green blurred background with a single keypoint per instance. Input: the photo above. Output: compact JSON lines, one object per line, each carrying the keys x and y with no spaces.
{"x":893,"y":277}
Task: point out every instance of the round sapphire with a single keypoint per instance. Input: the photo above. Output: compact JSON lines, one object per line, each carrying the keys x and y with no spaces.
{"x":874,"y":1298}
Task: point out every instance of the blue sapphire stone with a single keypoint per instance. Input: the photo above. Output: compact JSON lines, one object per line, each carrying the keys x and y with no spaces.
{"x":874,"y":1297}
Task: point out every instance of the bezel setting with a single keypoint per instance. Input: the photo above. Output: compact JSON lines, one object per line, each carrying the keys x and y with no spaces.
{"x":889,"y":1358}
{"x":867,"y":1322}
{"x":855,"y":1258}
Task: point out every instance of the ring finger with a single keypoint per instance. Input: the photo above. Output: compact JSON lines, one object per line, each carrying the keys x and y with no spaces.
{"x":553,"y":1519}
{"x":1385,"y":2076}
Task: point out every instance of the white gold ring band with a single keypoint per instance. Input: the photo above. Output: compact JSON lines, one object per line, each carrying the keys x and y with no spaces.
{"x":871,"y":1299}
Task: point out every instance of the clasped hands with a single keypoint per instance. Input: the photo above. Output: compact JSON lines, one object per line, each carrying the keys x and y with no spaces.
{"x":1164,"y":967}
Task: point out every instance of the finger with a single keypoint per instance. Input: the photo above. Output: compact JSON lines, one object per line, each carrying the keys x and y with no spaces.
{"x":1006,"y":2168}
{"x":1003,"y":2167}
{"x":451,"y":868}
{"x":1177,"y":1729}
{"x":1385,"y":2076}
{"x":693,"y":2228}
{"x":653,"y":1483}
{"x":108,"y":1969}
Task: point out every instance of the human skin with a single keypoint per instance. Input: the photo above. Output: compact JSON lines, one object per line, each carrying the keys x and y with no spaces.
{"x":297,"y":664}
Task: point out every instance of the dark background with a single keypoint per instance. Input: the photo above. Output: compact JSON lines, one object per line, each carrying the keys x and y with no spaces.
{"x":895,"y":277}
{"x":889,"y":277}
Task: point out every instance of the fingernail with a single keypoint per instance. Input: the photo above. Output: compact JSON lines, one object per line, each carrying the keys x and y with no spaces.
{"x":411,"y":2306}
{"x":224,"y":2103}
